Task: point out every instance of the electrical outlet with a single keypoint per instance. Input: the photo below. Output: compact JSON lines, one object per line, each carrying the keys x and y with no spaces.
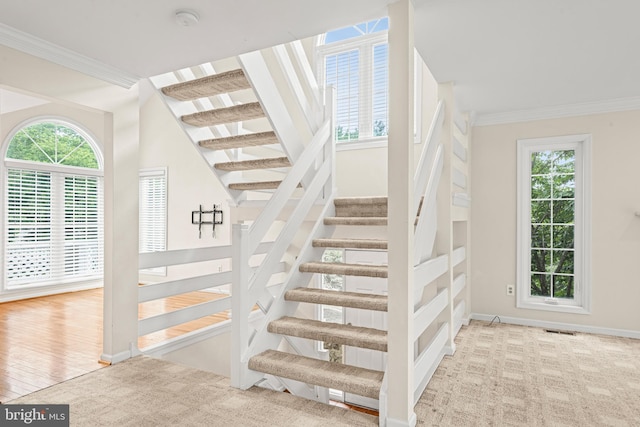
{"x":510,"y":290}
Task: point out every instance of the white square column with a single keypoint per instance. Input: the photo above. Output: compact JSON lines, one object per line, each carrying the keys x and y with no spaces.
{"x":401,"y":216}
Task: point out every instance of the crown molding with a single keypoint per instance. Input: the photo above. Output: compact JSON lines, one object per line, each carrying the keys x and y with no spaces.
{"x":43,"y":49}
{"x":560,"y":111}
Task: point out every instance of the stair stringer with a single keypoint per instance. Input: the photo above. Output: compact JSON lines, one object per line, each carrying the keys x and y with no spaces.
{"x":195,"y":134}
{"x":262,"y":339}
{"x":257,"y":72}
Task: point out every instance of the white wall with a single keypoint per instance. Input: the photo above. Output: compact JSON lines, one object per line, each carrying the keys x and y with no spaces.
{"x":615,"y":229}
{"x":190,"y":183}
{"x":364,"y":172}
{"x":120,"y":129}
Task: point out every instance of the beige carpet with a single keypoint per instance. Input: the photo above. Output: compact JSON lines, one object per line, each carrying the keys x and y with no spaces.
{"x":506,"y":375}
{"x":150,"y":392}
{"x":501,"y":375}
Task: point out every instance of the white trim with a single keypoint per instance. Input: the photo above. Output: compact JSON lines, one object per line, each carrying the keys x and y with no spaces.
{"x":581,"y":302}
{"x":15,"y":294}
{"x":112,"y":359}
{"x":568,"y":110}
{"x":589,"y":329}
{"x":40,"y":48}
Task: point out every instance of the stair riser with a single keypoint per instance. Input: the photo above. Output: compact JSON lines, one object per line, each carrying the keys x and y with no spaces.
{"x":373,"y":210}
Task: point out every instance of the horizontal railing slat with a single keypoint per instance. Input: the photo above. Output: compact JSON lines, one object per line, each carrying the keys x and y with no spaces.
{"x":183,"y":315}
{"x":427,"y":361}
{"x":458,"y":284}
{"x":426,"y":314}
{"x":427,"y":272}
{"x":187,"y":256}
{"x":459,"y":255}
{"x":176,"y":287}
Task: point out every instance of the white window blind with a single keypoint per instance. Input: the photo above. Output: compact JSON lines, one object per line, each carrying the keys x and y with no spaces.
{"x":83,"y":230}
{"x":153,"y":210}
{"x":28,"y":226}
{"x":153,"y":213}
{"x":355,"y":61}
{"x":53,"y":219}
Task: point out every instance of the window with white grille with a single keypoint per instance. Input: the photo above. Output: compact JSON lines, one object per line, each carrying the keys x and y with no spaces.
{"x":53,"y":200}
{"x":153,"y":213}
{"x":553,"y":223}
{"x":355,"y":61}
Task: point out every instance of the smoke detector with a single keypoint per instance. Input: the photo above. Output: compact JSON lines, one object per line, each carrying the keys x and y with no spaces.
{"x":186,"y":18}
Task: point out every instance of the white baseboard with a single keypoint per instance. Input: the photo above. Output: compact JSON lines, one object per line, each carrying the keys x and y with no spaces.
{"x":43,"y":291}
{"x":115,"y":358}
{"x":395,"y":423}
{"x":626,"y":333}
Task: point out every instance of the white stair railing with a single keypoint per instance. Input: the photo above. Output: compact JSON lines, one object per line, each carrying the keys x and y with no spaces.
{"x":251,"y":289}
{"x":428,"y":268}
{"x":304,"y":126}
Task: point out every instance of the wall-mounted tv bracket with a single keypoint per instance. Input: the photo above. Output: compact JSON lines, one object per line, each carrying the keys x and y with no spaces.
{"x":200,"y":217}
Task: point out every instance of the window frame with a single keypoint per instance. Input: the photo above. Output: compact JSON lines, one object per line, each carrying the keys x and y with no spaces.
{"x":581,"y":303}
{"x":365,"y":106}
{"x":58,"y":174}
{"x":163,"y":173}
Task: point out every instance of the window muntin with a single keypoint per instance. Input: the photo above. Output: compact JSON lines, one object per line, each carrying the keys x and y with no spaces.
{"x":553,"y":232}
{"x":355,"y":61}
{"x":52,"y":143}
{"x":53,"y":217}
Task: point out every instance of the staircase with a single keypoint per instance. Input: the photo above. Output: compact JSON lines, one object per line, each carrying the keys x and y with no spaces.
{"x":349,"y":212}
{"x":266,"y":131}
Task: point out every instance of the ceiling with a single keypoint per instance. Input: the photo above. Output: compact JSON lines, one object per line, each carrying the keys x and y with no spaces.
{"x":503,"y":55}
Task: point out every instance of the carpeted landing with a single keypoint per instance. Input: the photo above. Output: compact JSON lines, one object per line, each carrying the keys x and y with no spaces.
{"x":151,"y":392}
{"x":500,"y":375}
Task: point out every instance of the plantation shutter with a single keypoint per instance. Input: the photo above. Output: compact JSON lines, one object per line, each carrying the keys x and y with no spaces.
{"x":28,"y":226}
{"x":342,"y":71}
{"x":153,"y":210}
{"x":83,"y":231}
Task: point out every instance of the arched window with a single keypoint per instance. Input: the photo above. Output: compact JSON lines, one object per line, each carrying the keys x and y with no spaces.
{"x":355,"y":61}
{"x":53,"y":227}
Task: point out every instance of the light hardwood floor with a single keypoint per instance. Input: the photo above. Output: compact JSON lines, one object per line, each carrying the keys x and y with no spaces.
{"x":44,"y":341}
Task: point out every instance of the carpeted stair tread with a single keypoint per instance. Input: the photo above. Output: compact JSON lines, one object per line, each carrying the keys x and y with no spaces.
{"x":335,"y":333}
{"x":240,"y":141}
{"x":258,"y":185}
{"x":365,"y":270}
{"x":245,"y":165}
{"x":229,"y":81}
{"x":351,"y":379}
{"x":361,"y":206}
{"x":355,"y":220}
{"x":219,"y":116}
{"x":338,"y":298}
{"x":350,"y":243}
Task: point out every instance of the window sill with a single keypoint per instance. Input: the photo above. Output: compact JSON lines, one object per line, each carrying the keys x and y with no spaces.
{"x":381,"y":142}
{"x":559,"y":308}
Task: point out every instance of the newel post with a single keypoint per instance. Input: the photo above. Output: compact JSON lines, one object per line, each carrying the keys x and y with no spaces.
{"x":239,"y":307}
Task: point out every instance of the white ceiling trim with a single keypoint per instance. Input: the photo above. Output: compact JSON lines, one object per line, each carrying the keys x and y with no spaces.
{"x":43,"y":49}
{"x":560,"y":111}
